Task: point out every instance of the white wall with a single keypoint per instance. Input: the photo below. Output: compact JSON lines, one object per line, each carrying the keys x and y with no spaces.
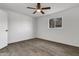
{"x":69,"y":34}
{"x":21,"y":27}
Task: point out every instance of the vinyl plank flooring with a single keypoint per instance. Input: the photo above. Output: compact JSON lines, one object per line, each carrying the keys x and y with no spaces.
{"x":39,"y":47}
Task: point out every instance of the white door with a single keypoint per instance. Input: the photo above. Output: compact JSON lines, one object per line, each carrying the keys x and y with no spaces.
{"x":3,"y":29}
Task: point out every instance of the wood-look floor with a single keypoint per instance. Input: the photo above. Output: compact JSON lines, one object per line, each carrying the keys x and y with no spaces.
{"x":39,"y":47}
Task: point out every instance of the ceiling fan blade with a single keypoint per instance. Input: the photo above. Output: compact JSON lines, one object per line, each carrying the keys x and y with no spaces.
{"x":46,"y":8}
{"x":34,"y":12}
{"x":31,"y":8}
{"x":38,"y":5}
{"x":42,"y":12}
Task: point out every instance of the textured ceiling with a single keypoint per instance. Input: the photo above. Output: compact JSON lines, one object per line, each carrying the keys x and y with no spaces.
{"x":21,"y":7}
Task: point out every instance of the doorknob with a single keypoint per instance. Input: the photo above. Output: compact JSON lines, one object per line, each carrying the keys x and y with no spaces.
{"x":6,"y":30}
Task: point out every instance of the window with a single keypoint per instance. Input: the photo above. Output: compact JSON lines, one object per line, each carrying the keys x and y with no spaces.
{"x":55,"y":22}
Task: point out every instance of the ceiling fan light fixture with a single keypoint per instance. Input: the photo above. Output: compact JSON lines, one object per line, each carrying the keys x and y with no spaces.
{"x":38,"y":10}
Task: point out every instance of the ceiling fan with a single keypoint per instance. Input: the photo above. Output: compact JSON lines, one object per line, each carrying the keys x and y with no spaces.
{"x":39,"y":8}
